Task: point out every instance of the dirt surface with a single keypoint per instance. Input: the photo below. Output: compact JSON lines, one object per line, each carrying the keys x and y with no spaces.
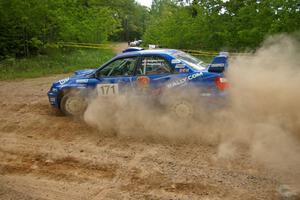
{"x":119,"y":47}
{"x":44,"y":155}
{"x":48,"y":156}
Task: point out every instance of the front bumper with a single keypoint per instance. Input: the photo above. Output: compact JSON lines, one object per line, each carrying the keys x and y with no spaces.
{"x":53,"y":98}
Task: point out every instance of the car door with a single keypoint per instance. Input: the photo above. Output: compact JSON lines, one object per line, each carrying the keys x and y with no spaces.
{"x":153,"y":72}
{"x":116,"y":77}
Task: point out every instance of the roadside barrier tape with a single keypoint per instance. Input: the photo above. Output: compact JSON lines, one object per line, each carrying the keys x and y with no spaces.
{"x":196,"y":51}
{"x":212,"y":55}
{"x":203,"y":54}
{"x":206,"y":53}
{"x":109,"y":46}
{"x":85,"y":46}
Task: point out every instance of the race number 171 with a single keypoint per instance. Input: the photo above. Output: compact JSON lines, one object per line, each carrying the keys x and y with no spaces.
{"x":107,"y":89}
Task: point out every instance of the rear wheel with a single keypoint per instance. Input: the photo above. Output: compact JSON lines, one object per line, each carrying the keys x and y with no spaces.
{"x":73,"y":104}
{"x":182,"y":108}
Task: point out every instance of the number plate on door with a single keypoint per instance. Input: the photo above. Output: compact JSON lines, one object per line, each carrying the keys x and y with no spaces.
{"x":107,"y":89}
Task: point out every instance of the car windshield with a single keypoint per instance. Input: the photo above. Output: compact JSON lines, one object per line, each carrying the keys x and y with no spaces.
{"x":192,"y":61}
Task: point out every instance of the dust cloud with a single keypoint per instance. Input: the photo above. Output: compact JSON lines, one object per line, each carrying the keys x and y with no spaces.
{"x":265,"y":102}
{"x":262,"y":116}
{"x":136,"y":116}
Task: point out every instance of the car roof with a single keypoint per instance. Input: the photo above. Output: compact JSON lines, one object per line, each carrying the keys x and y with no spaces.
{"x":149,"y":52}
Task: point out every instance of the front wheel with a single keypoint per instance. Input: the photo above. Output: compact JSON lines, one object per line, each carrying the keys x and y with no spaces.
{"x":73,"y":104}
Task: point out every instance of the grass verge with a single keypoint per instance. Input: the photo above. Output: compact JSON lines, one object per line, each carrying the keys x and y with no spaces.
{"x":53,"y":61}
{"x":206,"y":59}
{"x":57,"y":61}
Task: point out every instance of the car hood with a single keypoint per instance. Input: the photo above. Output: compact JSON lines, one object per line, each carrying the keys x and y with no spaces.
{"x":83,"y":72}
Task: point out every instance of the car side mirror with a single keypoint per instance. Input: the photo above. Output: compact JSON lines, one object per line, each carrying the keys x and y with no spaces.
{"x":96,"y":74}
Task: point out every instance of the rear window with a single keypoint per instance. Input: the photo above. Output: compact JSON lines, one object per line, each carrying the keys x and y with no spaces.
{"x":154,"y":65}
{"x":192,"y":61}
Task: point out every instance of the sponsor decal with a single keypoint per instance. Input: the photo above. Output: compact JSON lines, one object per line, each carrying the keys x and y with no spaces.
{"x":78,"y":85}
{"x":152,"y":61}
{"x":217,"y":65}
{"x":143,"y":82}
{"x":82,"y":80}
{"x":177,"y":82}
{"x":184,"y":80}
{"x":178,"y":66}
{"x":52,"y":99}
{"x":63,"y":81}
{"x":184,"y":70}
{"x":193,"y":76}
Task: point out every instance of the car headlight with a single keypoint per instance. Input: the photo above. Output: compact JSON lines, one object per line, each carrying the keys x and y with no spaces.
{"x":54,"y":89}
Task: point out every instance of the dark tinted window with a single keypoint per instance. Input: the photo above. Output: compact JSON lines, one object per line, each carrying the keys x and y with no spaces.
{"x":120,"y":67}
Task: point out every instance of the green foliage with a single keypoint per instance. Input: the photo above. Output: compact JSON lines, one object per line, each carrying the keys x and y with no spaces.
{"x":63,"y":60}
{"x":133,"y":17}
{"x":27,"y":26}
{"x":216,"y":24}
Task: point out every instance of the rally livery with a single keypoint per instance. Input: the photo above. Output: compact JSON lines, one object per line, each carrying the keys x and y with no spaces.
{"x":143,"y":72}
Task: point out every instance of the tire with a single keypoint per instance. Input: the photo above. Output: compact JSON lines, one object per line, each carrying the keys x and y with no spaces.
{"x":73,"y":104}
{"x":181,"y":109}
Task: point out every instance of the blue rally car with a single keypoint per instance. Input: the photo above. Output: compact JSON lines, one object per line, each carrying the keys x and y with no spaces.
{"x":150,"y":73}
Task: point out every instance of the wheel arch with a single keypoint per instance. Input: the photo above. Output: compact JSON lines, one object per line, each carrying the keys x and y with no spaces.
{"x":61,"y":93}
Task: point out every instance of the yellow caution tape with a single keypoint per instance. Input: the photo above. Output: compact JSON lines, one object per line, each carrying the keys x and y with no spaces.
{"x":213,"y":53}
{"x":109,"y":46}
{"x":200,"y":52}
{"x":83,"y":44}
{"x":86,"y":46}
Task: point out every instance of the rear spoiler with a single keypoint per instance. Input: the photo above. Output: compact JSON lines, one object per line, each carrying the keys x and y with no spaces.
{"x":219,"y":64}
